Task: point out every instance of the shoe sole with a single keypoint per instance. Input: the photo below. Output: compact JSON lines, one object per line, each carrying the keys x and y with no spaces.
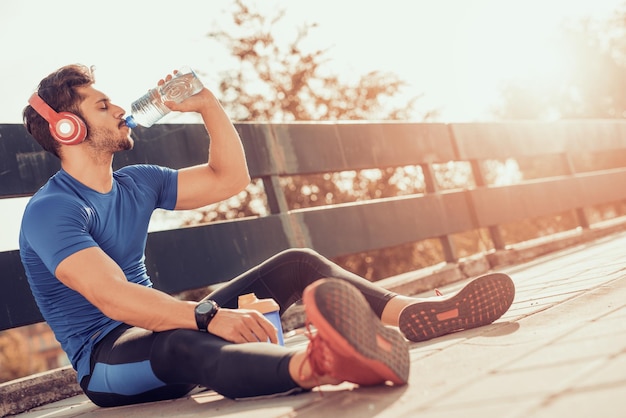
{"x":479,"y":303}
{"x":343,"y":317}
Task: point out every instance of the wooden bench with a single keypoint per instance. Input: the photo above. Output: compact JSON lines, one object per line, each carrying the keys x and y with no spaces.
{"x":198,"y":256}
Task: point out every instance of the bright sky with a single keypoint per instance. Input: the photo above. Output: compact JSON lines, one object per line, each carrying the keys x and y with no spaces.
{"x":454,"y":52}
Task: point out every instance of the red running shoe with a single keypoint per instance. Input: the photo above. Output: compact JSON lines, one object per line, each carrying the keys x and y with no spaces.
{"x":479,"y":303}
{"x":351,"y":344}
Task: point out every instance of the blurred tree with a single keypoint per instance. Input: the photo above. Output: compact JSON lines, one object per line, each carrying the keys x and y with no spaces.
{"x":592,"y":85}
{"x":287,"y":82}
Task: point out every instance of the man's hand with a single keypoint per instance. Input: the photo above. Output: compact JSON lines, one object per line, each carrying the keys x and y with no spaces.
{"x":202,"y":100}
{"x":242,"y":326}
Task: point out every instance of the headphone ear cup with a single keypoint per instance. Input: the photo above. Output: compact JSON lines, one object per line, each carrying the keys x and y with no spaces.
{"x":68,"y":129}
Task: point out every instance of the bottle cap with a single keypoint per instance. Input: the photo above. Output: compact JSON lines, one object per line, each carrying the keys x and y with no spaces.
{"x":250,"y":301}
{"x":130,"y":122}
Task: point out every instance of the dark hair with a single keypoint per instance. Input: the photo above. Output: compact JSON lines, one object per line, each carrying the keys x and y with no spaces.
{"x":59,"y":91}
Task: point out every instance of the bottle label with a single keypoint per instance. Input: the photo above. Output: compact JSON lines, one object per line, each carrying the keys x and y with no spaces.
{"x":181,"y":87}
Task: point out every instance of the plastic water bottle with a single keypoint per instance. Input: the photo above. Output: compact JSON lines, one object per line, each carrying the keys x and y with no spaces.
{"x":149,"y":108}
{"x":268,"y":307}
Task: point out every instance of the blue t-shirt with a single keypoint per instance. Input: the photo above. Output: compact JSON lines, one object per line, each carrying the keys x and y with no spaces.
{"x":64,"y":217}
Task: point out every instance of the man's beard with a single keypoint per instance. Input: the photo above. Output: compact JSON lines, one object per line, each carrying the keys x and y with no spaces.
{"x":101,"y":139}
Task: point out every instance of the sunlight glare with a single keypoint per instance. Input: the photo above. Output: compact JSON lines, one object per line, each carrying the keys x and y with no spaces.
{"x":500,"y":41}
{"x":507,"y":173}
{"x":524,"y":46}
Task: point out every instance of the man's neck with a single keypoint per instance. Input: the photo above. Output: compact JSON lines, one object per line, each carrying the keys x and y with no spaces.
{"x":96,"y":176}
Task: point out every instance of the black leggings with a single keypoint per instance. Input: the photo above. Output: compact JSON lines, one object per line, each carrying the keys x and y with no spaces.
{"x":133,"y":365}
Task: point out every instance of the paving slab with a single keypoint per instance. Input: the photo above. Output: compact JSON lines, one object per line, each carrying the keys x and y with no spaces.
{"x":560,"y":351}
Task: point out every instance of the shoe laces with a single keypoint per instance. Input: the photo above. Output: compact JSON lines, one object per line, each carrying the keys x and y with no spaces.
{"x":317,"y":355}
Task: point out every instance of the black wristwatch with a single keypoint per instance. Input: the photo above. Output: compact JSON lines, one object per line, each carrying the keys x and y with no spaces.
{"x":205,"y":311}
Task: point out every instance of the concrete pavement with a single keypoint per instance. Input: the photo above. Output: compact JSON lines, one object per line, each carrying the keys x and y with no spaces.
{"x":560,"y":351}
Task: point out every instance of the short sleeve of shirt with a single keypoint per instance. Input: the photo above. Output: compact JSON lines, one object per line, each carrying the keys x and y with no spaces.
{"x":162,"y":181}
{"x":57,"y":227}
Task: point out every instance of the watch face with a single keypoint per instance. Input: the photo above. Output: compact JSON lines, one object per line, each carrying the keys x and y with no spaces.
{"x":204,"y":307}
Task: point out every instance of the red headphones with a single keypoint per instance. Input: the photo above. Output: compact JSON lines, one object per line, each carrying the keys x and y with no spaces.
{"x":65,"y":127}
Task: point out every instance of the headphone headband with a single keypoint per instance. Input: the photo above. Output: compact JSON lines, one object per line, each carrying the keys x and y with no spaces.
{"x":65,"y":127}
